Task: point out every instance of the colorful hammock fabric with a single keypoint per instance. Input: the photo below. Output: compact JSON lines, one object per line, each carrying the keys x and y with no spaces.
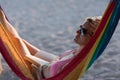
{"x":11,"y":52}
{"x":78,"y":66}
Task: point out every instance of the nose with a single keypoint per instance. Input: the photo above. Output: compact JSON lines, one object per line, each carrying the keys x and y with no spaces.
{"x":78,"y":31}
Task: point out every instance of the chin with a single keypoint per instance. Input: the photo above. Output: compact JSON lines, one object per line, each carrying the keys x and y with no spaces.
{"x":75,"y":40}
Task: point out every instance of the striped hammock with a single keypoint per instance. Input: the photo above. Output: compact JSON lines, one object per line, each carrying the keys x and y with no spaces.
{"x":80,"y":64}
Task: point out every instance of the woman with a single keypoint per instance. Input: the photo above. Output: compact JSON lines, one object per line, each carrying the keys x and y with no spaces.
{"x":51,"y":64}
{"x":83,"y":35}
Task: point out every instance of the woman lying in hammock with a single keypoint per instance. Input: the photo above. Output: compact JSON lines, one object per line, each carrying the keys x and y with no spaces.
{"x":51,"y":64}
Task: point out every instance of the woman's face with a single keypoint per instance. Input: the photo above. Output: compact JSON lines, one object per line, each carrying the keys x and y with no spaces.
{"x":83,"y":35}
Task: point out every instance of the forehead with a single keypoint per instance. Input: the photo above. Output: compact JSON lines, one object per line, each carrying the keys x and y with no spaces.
{"x":87,"y":25}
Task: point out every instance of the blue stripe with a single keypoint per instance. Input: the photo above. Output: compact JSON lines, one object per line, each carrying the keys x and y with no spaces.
{"x":108,"y":33}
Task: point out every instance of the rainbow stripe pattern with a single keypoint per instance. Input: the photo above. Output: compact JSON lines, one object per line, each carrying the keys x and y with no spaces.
{"x":96,"y":45}
{"x":80,"y":64}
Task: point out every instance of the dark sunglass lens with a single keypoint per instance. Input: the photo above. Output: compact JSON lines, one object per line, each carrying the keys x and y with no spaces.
{"x":83,"y":31}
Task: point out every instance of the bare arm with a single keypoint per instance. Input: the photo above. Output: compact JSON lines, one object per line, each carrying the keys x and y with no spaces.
{"x":35,"y":60}
{"x":32,"y":49}
{"x":40,"y":53}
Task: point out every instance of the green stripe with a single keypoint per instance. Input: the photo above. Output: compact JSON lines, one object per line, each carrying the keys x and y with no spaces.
{"x":104,"y":37}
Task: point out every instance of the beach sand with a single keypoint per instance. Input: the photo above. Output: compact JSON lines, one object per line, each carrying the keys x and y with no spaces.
{"x":51,"y":24}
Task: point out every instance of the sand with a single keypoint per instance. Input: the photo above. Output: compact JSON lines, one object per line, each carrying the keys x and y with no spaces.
{"x":51,"y":24}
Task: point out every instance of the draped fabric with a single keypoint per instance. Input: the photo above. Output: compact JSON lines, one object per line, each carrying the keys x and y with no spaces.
{"x":80,"y":64}
{"x":11,"y":52}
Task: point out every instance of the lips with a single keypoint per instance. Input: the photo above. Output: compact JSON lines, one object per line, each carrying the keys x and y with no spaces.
{"x":76,"y":37}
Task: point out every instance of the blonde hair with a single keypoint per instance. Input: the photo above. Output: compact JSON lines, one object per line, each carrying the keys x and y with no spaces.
{"x":93,"y":22}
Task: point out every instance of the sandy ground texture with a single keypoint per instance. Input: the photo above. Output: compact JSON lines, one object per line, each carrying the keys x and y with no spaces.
{"x":51,"y":24}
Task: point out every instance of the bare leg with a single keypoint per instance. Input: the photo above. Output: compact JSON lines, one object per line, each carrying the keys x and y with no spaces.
{"x":32,"y":49}
{"x":13,"y":32}
{"x":10,"y":28}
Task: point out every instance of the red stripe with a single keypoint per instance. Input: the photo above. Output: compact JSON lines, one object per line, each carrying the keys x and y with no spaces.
{"x":87,"y":48}
{"x":85,"y":51}
{"x":76,"y":61}
{"x":10,"y":61}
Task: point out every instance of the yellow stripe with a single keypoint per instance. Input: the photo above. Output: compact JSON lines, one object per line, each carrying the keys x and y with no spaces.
{"x":81,"y":68}
{"x":15,"y":52}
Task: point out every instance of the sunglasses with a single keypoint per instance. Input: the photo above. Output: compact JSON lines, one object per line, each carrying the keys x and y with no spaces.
{"x":83,"y":31}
